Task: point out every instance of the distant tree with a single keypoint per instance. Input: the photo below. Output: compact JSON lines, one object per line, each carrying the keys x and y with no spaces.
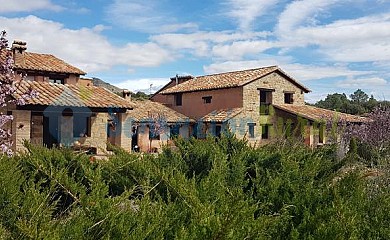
{"x":359,"y":97}
{"x":140,"y":96}
{"x":359,"y":103}
{"x":338,"y":102}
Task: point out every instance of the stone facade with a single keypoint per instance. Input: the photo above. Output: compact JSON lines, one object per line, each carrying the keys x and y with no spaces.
{"x":124,"y":132}
{"x":98,"y":136}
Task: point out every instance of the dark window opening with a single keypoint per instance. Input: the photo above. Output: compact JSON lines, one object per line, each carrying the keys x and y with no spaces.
{"x":178,"y":99}
{"x":265,"y":101}
{"x":207,"y":99}
{"x":218,"y":130}
{"x":153,"y":133}
{"x":288,"y":98}
{"x":81,"y":125}
{"x":251,"y":129}
{"x":321,"y":133}
{"x":174,"y":130}
{"x":265,"y":132}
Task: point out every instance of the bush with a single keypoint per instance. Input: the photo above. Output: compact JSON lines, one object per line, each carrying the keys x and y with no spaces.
{"x":207,"y":189}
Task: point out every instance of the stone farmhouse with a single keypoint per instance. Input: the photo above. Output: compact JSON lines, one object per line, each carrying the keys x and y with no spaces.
{"x":257,"y":104}
{"x":68,"y":110}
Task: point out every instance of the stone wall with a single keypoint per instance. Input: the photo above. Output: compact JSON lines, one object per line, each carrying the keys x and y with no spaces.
{"x":251,"y":99}
{"x":123,"y":132}
{"x":98,"y":136}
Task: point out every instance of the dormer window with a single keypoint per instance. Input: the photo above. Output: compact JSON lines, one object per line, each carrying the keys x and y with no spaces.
{"x":178,"y":99}
{"x":207,"y":99}
{"x":288,"y":97}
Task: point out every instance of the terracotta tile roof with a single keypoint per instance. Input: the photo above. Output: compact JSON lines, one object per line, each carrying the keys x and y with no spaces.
{"x":51,"y":94}
{"x":221,"y":115}
{"x":44,"y":62}
{"x":144,"y":109}
{"x":319,"y":114}
{"x":227,"y":80}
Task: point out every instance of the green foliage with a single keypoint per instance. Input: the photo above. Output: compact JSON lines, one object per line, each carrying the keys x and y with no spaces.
{"x":140,"y":96}
{"x":205,"y":189}
{"x":359,"y":103}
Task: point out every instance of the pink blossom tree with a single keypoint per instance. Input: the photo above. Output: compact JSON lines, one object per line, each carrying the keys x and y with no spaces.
{"x":8,"y":86}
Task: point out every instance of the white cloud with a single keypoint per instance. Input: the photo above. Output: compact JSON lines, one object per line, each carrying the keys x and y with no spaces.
{"x":371,"y":82}
{"x":239,"y":49}
{"x":143,"y":84}
{"x":27,"y":6}
{"x":347,"y":40}
{"x":245,"y":12}
{"x":301,"y":72}
{"x":299,"y":12}
{"x":145,"y":16}
{"x":201,"y":43}
{"x":85,"y":48}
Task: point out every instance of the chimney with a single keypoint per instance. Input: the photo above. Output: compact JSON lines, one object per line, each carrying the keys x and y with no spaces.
{"x":180,"y":79}
{"x":126,"y":94}
{"x":18,"y":48}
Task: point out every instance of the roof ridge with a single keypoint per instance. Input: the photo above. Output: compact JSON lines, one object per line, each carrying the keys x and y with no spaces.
{"x":237,"y":71}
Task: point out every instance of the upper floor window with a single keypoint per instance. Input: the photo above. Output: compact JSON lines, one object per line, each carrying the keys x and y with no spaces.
{"x":265,"y":100}
{"x":288,"y":97}
{"x":207,"y":99}
{"x":178,"y":99}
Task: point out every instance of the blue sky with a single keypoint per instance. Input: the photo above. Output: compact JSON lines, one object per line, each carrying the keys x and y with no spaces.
{"x":328,"y":45}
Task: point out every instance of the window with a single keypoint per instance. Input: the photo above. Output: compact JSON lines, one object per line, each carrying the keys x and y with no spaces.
{"x":174,"y":130}
{"x":288,"y":98}
{"x":154,"y":133}
{"x":178,"y":99}
{"x":265,"y":100}
{"x":321,"y":133}
{"x":207,"y":99}
{"x":81,"y":125}
{"x":251,"y":130}
{"x":218,"y":130}
{"x":58,"y":81}
{"x":265,"y":132}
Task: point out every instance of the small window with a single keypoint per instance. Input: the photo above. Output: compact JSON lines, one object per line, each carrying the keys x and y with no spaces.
{"x":81,"y":125}
{"x":207,"y":99}
{"x":218,"y":130}
{"x":265,"y":132}
{"x":178,"y":99}
{"x":321,"y":133}
{"x":288,"y":98}
{"x":175,"y":130}
{"x":58,"y":81}
{"x":251,"y":130}
{"x":153,"y":134}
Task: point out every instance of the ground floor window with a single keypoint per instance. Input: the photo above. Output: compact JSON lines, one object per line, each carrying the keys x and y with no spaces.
{"x":251,"y":130}
{"x":218,"y":130}
{"x":81,"y":125}
{"x":174,"y":130}
{"x":154,"y":134}
{"x":265,"y":132}
{"x":321,"y":133}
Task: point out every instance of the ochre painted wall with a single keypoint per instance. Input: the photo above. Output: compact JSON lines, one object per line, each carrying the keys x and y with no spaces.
{"x":193,"y":104}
